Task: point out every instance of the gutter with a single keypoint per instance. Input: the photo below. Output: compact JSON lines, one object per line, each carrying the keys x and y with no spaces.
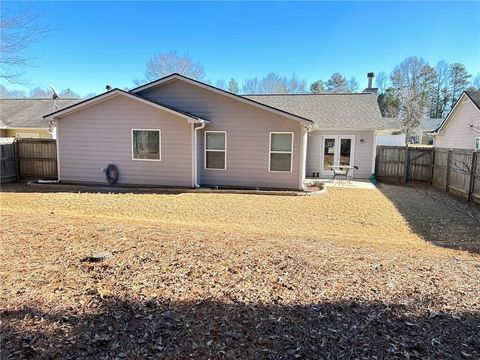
{"x":195,"y":157}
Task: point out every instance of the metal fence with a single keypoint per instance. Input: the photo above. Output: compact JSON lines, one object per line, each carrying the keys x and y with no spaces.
{"x":452,"y":170}
{"x":29,"y":159}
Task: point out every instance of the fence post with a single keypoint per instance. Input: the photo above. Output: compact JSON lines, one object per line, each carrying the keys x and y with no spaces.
{"x":432,"y":165}
{"x":447,"y":175}
{"x":407,"y":164}
{"x":16,"y":154}
{"x":473,"y":170}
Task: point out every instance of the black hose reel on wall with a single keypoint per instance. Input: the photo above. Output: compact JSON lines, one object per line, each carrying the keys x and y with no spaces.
{"x":112,"y":174}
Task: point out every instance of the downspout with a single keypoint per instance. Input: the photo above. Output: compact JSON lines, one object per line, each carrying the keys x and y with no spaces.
{"x":195,"y":160}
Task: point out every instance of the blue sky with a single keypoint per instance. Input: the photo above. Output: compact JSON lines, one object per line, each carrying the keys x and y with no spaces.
{"x":92,"y":43}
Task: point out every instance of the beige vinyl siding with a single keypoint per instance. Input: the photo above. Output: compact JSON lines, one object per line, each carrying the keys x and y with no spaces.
{"x":458,"y":133}
{"x":363,"y":153}
{"x":247,"y":130}
{"x":94,"y":137}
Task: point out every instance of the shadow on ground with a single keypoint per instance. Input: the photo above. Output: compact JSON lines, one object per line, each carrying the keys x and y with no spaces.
{"x":440,"y":218}
{"x":211,"y":329}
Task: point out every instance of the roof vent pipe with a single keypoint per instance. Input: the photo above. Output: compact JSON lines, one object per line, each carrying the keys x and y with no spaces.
{"x":108,"y":87}
{"x":370,"y":77}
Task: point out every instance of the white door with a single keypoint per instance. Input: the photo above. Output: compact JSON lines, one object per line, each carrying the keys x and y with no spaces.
{"x":336,"y":150}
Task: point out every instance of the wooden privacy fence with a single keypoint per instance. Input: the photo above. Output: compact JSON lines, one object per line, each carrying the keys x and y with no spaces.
{"x":452,"y":170}
{"x":390,"y":164}
{"x":8,"y":166}
{"x":32,"y":158}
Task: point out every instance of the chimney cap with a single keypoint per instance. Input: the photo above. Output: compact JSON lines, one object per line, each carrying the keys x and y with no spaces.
{"x":371,"y":75}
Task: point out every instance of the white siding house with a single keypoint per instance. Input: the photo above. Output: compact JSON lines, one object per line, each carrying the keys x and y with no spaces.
{"x":461,"y":127}
{"x":181,"y":132}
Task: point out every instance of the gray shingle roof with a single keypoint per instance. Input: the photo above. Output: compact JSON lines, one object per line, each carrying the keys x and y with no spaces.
{"x":354,"y":110}
{"x":474,"y":96}
{"x":29,"y":112}
{"x":429,"y":124}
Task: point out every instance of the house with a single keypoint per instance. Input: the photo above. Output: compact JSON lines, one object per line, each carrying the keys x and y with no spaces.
{"x":461,"y":127}
{"x":180,"y":132}
{"x":24,"y":117}
{"x":392,"y":133}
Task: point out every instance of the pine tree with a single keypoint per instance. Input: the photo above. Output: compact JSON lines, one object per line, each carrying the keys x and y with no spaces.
{"x":459,"y":79}
{"x":233,"y":86}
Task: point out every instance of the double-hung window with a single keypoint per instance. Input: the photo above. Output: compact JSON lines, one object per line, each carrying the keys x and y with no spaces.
{"x":146,"y":144}
{"x":281,"y":151}
{"x":216,"y":150}
{"x":477,"y":143}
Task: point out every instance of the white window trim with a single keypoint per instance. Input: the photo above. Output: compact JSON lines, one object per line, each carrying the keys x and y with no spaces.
{"x":159,"y":145}
{"x":213,"y":150}
{"x":475,"y":143}
{"x":280,"y":152}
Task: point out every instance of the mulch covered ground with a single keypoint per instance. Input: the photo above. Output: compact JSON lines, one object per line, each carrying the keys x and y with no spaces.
{"x":346,"y":274}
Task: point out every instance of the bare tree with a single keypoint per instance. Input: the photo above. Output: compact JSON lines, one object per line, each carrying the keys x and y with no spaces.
{"x":11,"y":94}
{"x":381,"y":81}
{"x":296,"y":85}
{"x":411,"y":80}
{"x":251,"y":86}
{"x":352,"y":85}
{"x":166,"y":63}
{"x":40,"y":93}
{"x":440,"y":94}
{"x":221,"y":84}
{"x":273,"y":83}
{"x":19,"y":29}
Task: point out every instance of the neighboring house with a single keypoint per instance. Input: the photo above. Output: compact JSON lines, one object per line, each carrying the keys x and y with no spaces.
{"x":392,"y":133}
{"x":24,"y":117}
{"x":181,"y":132}
{"x":461,"y":127}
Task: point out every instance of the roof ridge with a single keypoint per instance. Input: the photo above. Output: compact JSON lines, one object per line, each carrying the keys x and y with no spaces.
{"x":308,"y":94}
{"x":28,"y":98}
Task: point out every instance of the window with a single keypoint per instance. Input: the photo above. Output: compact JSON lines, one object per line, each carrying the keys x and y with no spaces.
{"x":477,"y":143}
{"x":146,"y":144}
{"x":216,"y":150}
{"x":281,"y":151}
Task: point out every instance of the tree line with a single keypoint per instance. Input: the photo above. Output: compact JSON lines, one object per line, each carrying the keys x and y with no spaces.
{"x":441,"y":85}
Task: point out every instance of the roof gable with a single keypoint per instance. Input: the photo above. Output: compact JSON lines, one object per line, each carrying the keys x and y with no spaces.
{"x":175,"y":76}
{"x":118,"y":92}
{"x":472,"y":96}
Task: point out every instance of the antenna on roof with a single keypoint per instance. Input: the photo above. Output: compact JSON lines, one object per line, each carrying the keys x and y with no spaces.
{"x":54,"y":98}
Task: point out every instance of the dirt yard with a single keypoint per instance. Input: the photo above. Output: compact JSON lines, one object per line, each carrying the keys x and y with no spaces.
{"x":350,"y":273}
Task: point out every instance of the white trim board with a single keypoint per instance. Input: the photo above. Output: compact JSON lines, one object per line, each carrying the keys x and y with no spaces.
{"x":338,"y":139}
{"x":159,"y":144}
{"x":280,"y":152}
{"x":213,"y":150}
